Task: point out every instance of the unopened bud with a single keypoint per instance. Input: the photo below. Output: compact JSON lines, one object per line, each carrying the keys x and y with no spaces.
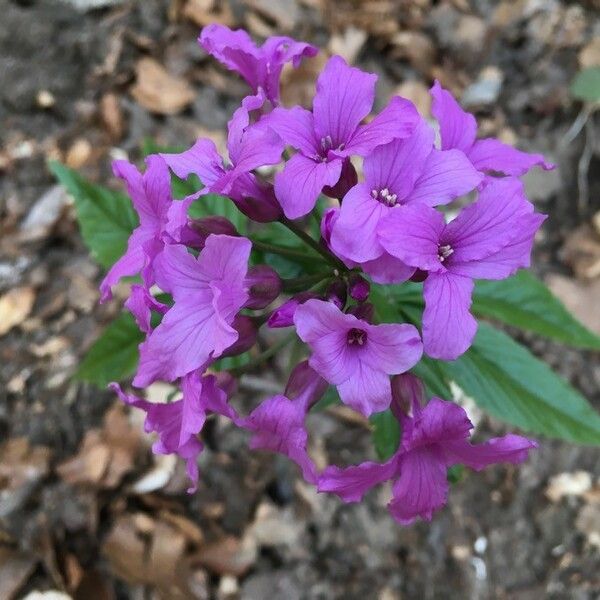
{"x":264,"y":285}
{"x":284,"y":315}
{"x":247,"y":332}
{"x":205,"y":226}
{"x":305,"y":385}
{"x":359,"y":288}
{"x":337,"y":293}
{"x":419,"y":276}
{"x":258,"y":202}
{"x":364,"y":311}
{"x":408,"y":394}
{"x":330,"y":216}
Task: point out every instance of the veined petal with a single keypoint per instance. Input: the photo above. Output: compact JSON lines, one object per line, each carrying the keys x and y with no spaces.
{"x":422,"y":487}
{"x":493,"y":155}
{"x":448,"y":326}
{"x":387,"y":269}
{"x":393,"y":348}
{"x":355,"y":233}
{"x":413,"y":233}
{"x":447,"y":175}
{"x":343,"y":99}
{"x":202,"y":159}
{"x":298,"y":186}
{"x":458,"y":128}
{"x":141,"y":304}
{"x":352,"y":483}
{"x":368,"y":390}
{"x":177,"y":272}
{"x":397,"y":120}
{"x":439,"y":422}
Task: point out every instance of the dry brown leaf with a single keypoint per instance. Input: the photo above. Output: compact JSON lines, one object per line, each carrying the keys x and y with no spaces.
{"x":15,"y":569}
{"x":298,"y":85}
{"x":79,"y":153}
{"x":590,"y":54}
{"x":580,"y":298}
{"x":228,"y":556}
{"x":418,"y":93}
{"x":112,"y":116}
{"x":15,"y":307}
{"x":105,"y":455}
{"x":416,"y":47}
{"x":284,"y":13}
{"x":159,"y":91}
{"x":348,"y":44}
{"x":205,"y":12}
{"x":568,"y":484}
{"x":582,"y":252}
{"x":21,"y":463}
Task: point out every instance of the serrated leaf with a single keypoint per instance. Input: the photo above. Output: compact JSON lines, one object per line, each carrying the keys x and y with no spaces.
{"x":525,"y":302}
{"x":106,"y":217}
{"x":386,"y":433}
{"x":114,"y":355}
{"x":507,"y":381}
{"x":586,"y":85}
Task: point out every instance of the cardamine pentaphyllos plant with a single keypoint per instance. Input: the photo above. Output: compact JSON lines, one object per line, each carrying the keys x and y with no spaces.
{"x":383,"y":262}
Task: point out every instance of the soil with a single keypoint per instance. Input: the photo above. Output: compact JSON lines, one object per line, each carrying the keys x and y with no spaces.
{"x":500,"y":536}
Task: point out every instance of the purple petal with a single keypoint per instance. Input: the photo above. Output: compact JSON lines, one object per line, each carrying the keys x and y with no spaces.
{"x":397,"y":120}
{"x":177,"y":272}
{"x":447,"y":175}
{"x":458,"y":129}
{"x":239,"y":123}
{"x":492,"y":155}
{"x":298,"y":186}
{"x":367,"y":390}
{"x":486,"y":226}
{"x":202,"y":159}
{"x":398,"y":165}
{"x":343,"y":99}
{"x":387,"y":269}
{"x":255,"y":199}
{"x":352,"y":483}
{"x":515,"y":255}
{"x":393,"y":348}
{"x":422,"y":487}
{"x":510,"y":448}
{"x":354,"y":234}
{"x":448,"y":326}
{"x":296,"y":128}
{"x":440,"y":422}
{"x":278,"y":426}
{"x":413,"y":233}
{"x":141,"y":304}
{"x":305,"y":385}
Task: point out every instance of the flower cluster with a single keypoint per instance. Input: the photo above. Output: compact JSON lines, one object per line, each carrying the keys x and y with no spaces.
{"x":203,"y":296}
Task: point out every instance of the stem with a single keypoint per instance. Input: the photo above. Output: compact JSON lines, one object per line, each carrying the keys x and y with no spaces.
{"x":261,"y":358}
{"x":273,"y":249}
{"x":338,"y":264}
{"x":291,"y":284}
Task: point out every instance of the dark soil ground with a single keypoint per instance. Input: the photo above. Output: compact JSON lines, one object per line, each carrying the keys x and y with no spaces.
{"x":254,"y":530}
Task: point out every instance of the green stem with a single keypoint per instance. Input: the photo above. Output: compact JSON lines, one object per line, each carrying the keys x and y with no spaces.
{"x":280,"y":250}
{"x":306,"y":280}
{"x":264,"y":356}
{"x":338,"y":264}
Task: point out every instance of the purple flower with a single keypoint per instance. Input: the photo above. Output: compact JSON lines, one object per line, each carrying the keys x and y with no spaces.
{"x":458,"y":129}
{"x":160,"y":221}
{"x":141,"y":304}
{"x":208,"y":292}
{"x":178,"y":423}
{"x":332,"y":133}
{"x":278,"y":423}
{"x":433,"y":439}
{"x":401,"y":173}
{"x":490,"y":239}
{"x":249,"y":147}
{"x":354,"y":355}
{"x":260,"y":67}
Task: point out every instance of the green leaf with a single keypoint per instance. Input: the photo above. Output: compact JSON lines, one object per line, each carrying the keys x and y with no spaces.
{"x":213,"y":204}
{"x":386,"y":433}
{"x":508,"y":382}
{"x":106,"y":217}
{"x":586,"y":85}
{"x":525,"y":302}
{"x":114,"y":355}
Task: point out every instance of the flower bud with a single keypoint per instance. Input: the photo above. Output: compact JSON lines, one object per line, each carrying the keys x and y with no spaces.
{"x":337,"y":293}
{"x":247,"y":332}
{"x":419,"y":276}
{"x":408,"y":393}
{"x":364,"y":311}
{"x":305,"y":384}
{"x":359,"y":288}
{"x":348,"y":179}
{"x":330,"y":216}
{"x":205,"y":226}
{"x":258,"y":202}
{"x":284,"y":315}
{"x":226,"y":382}
{"x":264,"y":285}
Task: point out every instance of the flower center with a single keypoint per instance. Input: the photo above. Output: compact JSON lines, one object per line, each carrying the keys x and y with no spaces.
{"x":356,"y":337}
{"x":327,"y":144}
{"x":445,"y":252}
{"x":384,"y":196}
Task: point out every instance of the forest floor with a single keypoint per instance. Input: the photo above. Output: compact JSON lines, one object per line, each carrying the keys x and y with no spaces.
{"x":85,"y":509}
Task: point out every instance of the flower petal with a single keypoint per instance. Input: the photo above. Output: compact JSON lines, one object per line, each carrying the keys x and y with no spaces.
{"x":458,"y":128}
{"x":422,"y":487}
{"x":202,"y":159}
{"x":296,"y":128}
{"x":492,"y":155}
{"x":448,"y":326}
{"x":343,"y":99}
{"x":367,"y":390}
{"x":386,"y":269}
{"x":393,"y":348}
{"x":352,"y":483}
{"x":141,"y":304}
{"x":298,"y":186}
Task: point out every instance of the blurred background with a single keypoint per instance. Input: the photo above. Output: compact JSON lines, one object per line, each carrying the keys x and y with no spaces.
{"x":85,"y":509}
